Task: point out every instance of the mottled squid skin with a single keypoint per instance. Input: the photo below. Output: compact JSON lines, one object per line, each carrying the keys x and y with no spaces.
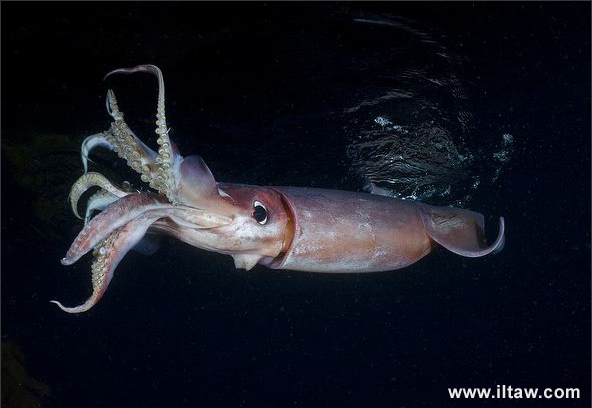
{"x":303,"y":229}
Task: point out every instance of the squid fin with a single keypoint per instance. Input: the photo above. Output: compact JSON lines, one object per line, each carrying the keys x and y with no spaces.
{"x":460,"y":231}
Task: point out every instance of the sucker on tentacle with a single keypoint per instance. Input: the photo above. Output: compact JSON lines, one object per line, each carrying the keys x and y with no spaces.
{"x":100,"y":275}
{"x":89,"y":180}
{"x":121,"y":139}
{"x":107,"y":255}
{"x":127,"y":145}
{"x":161,"y":178}
{"x":158,"y":169}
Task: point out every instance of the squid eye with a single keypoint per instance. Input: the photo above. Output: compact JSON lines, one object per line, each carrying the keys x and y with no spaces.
{"x":259,"y":213}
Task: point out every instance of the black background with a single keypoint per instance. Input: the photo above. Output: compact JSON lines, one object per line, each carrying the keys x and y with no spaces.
{"x":184,"y":328}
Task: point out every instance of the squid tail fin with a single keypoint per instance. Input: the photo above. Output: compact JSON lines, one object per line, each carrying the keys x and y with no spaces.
{"x":460,"y":231}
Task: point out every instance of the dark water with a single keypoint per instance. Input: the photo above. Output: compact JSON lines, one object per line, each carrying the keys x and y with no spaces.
{"x":303,"y":94}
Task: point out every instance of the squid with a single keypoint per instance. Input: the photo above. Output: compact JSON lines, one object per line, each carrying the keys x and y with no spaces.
{"x":299,"y":229}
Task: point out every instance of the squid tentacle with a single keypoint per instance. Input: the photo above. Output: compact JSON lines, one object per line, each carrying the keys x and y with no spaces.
{"x":92,"y":141}
{"x":122,"y":140}
{"x":101,"y":199}
{"x":158,"y":169}
{"x":98,"y":202}
{"x":163,"y":177}
{"x":126,"y":216}
{"x":115,"y":216}
{"x":107,"y":255}
{"x":128,"y":208}
{"x":89,"y":180}
{"x":128,"y":146}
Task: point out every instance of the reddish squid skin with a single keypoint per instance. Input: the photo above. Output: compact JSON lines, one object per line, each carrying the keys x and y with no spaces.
{"x":344,"y":232}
